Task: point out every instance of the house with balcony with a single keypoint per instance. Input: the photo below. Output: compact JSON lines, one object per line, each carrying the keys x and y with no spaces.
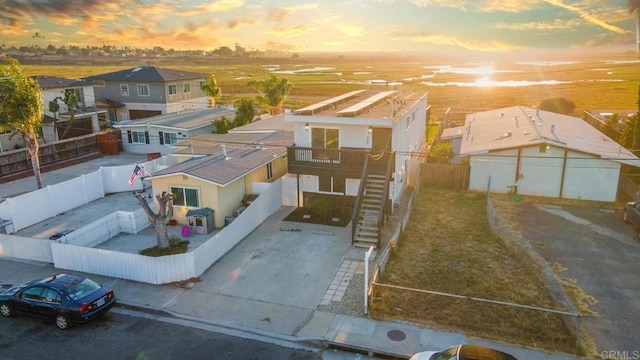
{"x":147,"y":91}
{"x":86,"y":117}
{"x":157,"y":134}
{"x":360,"y":149}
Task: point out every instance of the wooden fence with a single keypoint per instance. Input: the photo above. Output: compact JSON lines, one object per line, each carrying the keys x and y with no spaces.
{"x":18,"y":161}
{"x":445,"y":176}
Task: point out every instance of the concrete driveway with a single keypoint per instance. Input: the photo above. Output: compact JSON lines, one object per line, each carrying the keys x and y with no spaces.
{"x":601,"y":252}
{"x":274,"y":279}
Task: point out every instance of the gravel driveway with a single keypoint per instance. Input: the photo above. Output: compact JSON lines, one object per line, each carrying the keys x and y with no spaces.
{"x":601,"y":252}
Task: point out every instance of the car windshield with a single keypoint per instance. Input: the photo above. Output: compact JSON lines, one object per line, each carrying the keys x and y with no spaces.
{"x":449,"y":354}
{"x":84,"y":288}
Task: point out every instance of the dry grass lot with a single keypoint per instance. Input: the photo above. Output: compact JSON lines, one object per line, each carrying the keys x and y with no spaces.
{"x":448,"y":247}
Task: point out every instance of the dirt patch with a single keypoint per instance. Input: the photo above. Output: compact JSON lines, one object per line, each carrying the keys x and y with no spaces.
{"x":306,"y":215}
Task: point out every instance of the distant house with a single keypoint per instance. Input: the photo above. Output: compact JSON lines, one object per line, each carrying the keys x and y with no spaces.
{"x":87,"y":117}
{"x":220,"y":171}
{"x":598,"y":118}
{"x":147,"y":91}
{"x":359,"y":147}
{"x":157,"y":134}
{"x":533,"y":152}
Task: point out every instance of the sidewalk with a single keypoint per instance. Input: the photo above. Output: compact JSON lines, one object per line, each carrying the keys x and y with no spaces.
{"x":318,"y":328}
{"x":248,"y":293}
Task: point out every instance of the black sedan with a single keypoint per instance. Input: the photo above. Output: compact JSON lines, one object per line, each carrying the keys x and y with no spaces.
{"x":631,"y":214}
{"x":65,"y":298}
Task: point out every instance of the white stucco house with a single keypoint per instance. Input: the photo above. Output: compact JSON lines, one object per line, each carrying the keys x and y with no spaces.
{"x":87,"y":117}
{"x":533,"y":152}
{"x":156,"y":134}
{"x":356,"y":145}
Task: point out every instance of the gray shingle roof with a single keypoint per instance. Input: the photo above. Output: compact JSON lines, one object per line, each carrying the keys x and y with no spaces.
{"x":147,"y":73}
{"x":53,"y":82}
{"x":220,"y":170}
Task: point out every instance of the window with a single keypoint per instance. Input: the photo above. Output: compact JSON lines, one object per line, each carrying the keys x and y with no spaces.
{"x":124,"y":89}
{"x":185,"y":197}
{"x":138,"y":137}
{"x":143,"y":90}
{"x":173,"y":89}
{"x":269,"y":171}
{"x":187,"y":87}
{"x":50,"y":295}
{"x":167,"y":138}
{"x":327,"y":139}
{"x":34,"y":293}
{"x":331,"y":184}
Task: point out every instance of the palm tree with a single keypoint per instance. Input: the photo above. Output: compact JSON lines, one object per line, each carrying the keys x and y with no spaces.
{"x":211,"y":88}
{"x":274,"y":92}
{"x":21,"y":109}
{"x":71,"y":100}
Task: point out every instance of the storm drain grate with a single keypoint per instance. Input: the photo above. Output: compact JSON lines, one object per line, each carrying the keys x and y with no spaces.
{"x":396,"y":335}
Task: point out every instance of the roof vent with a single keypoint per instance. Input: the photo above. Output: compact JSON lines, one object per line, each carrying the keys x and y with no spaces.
{"x":553,"y":128}
{"x":224,"y":152}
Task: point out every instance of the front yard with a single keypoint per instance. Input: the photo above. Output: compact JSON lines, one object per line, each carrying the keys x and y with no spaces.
{"x":448,"y":247}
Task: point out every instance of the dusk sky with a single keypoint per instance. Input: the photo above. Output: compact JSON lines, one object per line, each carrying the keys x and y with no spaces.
{"x":336,"y":26}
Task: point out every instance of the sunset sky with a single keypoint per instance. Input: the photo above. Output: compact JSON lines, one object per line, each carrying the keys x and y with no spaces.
{"x":337,"y":26}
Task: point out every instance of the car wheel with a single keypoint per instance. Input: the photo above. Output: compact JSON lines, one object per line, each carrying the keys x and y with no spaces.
{"x":6,"y":310}
{"x":62,"y":322}
{"x":625,"y":216}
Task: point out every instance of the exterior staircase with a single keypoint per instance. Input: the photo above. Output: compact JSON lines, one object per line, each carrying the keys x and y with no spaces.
{"x":368,"y":229}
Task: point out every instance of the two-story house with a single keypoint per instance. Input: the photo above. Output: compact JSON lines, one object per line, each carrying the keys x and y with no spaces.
{"x":359,"y":147}
{"x":148,"y":91}
{"x":86,"y":116}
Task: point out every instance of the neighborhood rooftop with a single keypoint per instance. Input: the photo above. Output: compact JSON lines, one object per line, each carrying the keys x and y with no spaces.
{"x":519,"y":126}
{"x":147,"y":73}
{"x":364,"y":104}
{"x":222,"y":170}
{"x":188,"y":119}
{"x":209,"y":144}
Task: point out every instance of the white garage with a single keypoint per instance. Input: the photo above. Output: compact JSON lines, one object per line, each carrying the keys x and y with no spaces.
{"x":533,"y":152}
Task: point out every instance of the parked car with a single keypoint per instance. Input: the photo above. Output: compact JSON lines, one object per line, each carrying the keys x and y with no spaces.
{"x":464,"y":352}
{"x":631,"y":214}
{"x":65,"y":298}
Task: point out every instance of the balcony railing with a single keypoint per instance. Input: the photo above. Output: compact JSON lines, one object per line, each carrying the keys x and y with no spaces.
{"x":307,"y":160}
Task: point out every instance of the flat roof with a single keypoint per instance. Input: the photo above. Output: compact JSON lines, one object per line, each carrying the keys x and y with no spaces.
{"x":367,"y":103}
{"x":329,"y":102}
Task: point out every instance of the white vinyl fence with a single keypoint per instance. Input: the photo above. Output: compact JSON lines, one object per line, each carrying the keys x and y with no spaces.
{"x":166,"y":269}
{"x":101,"y":230}
{"x":36,"y":206}
{"x":25,"y":248}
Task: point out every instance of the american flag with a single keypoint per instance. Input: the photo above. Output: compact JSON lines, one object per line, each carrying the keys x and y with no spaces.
{"x":136,"y":172}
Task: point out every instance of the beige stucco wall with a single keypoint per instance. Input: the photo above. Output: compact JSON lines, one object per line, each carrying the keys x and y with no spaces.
{"x":260,"y":174}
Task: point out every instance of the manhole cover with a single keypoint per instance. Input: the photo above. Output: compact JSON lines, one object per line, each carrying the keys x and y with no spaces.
{"x":396,"y":335}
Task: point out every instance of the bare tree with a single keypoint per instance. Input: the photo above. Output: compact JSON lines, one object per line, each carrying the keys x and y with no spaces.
{"x":161,"y":219}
